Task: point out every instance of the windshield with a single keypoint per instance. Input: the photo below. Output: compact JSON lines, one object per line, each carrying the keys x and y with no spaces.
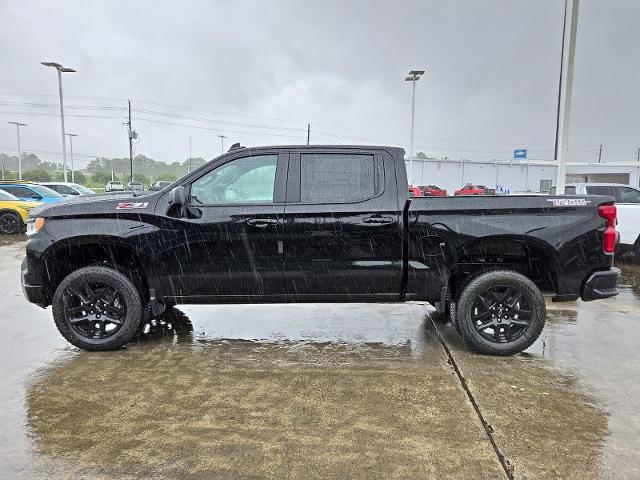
{"x":81,"y":189}
{"x":7,"y":196}
{"x":45,"y":191}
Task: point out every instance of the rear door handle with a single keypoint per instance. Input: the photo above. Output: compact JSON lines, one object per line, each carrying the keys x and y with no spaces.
{"x":378,"y":219}
{"x":262,"y":222}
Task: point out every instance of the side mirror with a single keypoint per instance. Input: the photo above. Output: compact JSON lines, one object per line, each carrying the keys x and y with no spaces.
{"x":178,"y":200}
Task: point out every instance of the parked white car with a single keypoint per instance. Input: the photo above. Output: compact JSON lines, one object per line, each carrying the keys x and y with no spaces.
{"x":628,"y":206}
{"x":114,"y":186}
{"x":68,"y":189}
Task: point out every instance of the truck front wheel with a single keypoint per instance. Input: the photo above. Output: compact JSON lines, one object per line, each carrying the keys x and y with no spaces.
{"x":97,"y":308}
{"x":500,"y":313}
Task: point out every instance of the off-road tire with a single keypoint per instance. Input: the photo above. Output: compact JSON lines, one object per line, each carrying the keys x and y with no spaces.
{"x":126,"y":290}
{"x":500,"y":279}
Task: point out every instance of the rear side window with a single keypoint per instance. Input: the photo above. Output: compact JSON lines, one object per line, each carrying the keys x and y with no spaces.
{"x":338,"y":178}
{"x":627,"y":195}
{"x":599,"y":190}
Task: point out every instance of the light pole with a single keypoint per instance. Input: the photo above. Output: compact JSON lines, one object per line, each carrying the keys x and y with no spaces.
{"x":71,"y":135}
{"x":563,"y":146}
{"x":413,"y":77}
{"x":60,"y":70}
{"x":18,"y":125}
{"x":222,"y":137}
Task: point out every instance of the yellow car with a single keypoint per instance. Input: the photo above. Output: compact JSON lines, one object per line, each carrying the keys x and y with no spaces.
{"x":14,"y":213}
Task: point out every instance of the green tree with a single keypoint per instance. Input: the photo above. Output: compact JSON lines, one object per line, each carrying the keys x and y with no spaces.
{"x":167,"y":177}
{"x":100,"y":178}
{"x":80,"y":178}
{"x":37,"y":175}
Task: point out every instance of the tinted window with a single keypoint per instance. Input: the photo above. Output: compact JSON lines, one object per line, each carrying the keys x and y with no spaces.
{"x":331,"y":178}
{"x":11,"y":190}
{"x":23,"y":192}
{"x":599,"y":190}
{"x":64,"y":189}
{"x":627,"y":195}
{"x":244,"y":180}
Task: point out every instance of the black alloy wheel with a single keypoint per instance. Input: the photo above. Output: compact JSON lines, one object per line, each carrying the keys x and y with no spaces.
{"x":94,"y":310}
{"x":97,"y":308}
{"x":501,"y":314}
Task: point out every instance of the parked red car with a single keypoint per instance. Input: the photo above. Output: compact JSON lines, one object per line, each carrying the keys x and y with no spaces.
{"x":432,"y":191}
{"x":473,"y":189}
{"x":414,"y":191}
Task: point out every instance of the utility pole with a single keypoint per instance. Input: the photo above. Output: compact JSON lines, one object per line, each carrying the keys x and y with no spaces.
{"x":222,"y":137}
{"x":600,"y":154}
{"x":308,"y":133}
{"x":71,"y":135}
{"x":132,"y":134}
{"x":413,"y":77}
{"x":18,"y":125}
{"x":60,"y":70}
{"x":190,"y":166}
{"x":563,"y":148}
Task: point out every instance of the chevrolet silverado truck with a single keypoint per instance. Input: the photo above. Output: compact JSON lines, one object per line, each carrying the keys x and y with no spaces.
{"x":316,"y":224}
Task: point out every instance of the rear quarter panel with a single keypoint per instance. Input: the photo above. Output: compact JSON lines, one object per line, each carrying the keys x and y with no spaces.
{"x":442,"y":231}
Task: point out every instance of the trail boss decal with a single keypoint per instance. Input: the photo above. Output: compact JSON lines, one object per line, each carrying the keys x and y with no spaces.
{"x":130,"y":205}
{"x":569,"y":202}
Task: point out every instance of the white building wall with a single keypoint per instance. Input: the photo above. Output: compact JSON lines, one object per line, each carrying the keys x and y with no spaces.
{"x":514,"y":177}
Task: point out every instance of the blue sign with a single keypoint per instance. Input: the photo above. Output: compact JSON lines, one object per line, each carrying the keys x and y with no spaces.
{"x":520,"y":153}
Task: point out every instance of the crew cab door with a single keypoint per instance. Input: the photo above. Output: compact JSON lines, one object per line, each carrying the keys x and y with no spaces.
{"x":343,"y":226}
{"x":230,"y":242}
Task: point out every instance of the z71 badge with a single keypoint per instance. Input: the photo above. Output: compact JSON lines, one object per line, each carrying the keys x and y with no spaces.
{"x":569,"y":202}
{"x":130,"y":205}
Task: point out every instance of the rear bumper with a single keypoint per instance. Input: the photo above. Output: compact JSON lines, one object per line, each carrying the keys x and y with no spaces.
{"x":603,"y":284}
{"x":33,"y":293}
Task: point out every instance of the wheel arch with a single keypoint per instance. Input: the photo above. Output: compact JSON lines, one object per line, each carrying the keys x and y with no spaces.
{"x":68,"y":255}
{"x":532,"y":257}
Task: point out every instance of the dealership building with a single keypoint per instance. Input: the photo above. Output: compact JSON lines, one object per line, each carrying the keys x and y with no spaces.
{"x":517,"y":176}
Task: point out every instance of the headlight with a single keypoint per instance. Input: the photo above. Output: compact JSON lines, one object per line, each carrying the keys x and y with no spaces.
{"x":34,"y":226}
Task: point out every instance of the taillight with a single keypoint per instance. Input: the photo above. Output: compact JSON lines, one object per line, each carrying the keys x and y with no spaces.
{"x":608,"y":212}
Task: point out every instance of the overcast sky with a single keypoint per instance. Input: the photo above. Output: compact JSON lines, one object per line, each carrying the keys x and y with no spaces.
{"x":258,"y":71}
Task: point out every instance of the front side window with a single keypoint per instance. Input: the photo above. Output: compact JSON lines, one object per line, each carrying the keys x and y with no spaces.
{"x":627,"y":195}
{"x":242,"y":181}
{"x":334,"y":178}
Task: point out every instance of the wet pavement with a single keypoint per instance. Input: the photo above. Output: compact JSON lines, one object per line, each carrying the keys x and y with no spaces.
{"x":316,"y":391}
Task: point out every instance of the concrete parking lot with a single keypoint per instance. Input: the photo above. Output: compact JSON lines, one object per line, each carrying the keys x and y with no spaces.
{"x":317,"y":391}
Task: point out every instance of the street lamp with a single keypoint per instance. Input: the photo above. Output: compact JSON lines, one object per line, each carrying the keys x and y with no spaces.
{"x":413,"y":77}
{"x":60,"y":70}
{"x":222,"y":137}
{"x":71,"y":135}
{"x":18,"y":125}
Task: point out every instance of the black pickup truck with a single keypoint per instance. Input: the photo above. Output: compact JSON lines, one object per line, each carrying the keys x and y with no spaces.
{"x":316,"y":224}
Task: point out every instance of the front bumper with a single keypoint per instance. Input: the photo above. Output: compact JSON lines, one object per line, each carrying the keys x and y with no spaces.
{"x":603,"y":284}
{"x":33,"y":293}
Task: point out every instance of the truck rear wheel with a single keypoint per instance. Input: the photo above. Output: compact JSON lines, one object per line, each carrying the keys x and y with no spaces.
{"x":500,"y":313}
{"x":97,"y":308}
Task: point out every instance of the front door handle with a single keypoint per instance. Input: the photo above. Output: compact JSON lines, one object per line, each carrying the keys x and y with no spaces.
{"x":262,"y":222}
{"x":378,"y":219}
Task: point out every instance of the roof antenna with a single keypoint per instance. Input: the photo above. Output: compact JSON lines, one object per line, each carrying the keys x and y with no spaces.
{"x":235,"y":146}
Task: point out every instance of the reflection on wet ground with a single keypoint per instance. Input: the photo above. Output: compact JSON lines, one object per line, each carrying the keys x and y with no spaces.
{"x":319,"y":391}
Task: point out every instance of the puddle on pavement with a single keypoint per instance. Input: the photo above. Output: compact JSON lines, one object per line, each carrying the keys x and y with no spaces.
{"x":208,"y":390}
